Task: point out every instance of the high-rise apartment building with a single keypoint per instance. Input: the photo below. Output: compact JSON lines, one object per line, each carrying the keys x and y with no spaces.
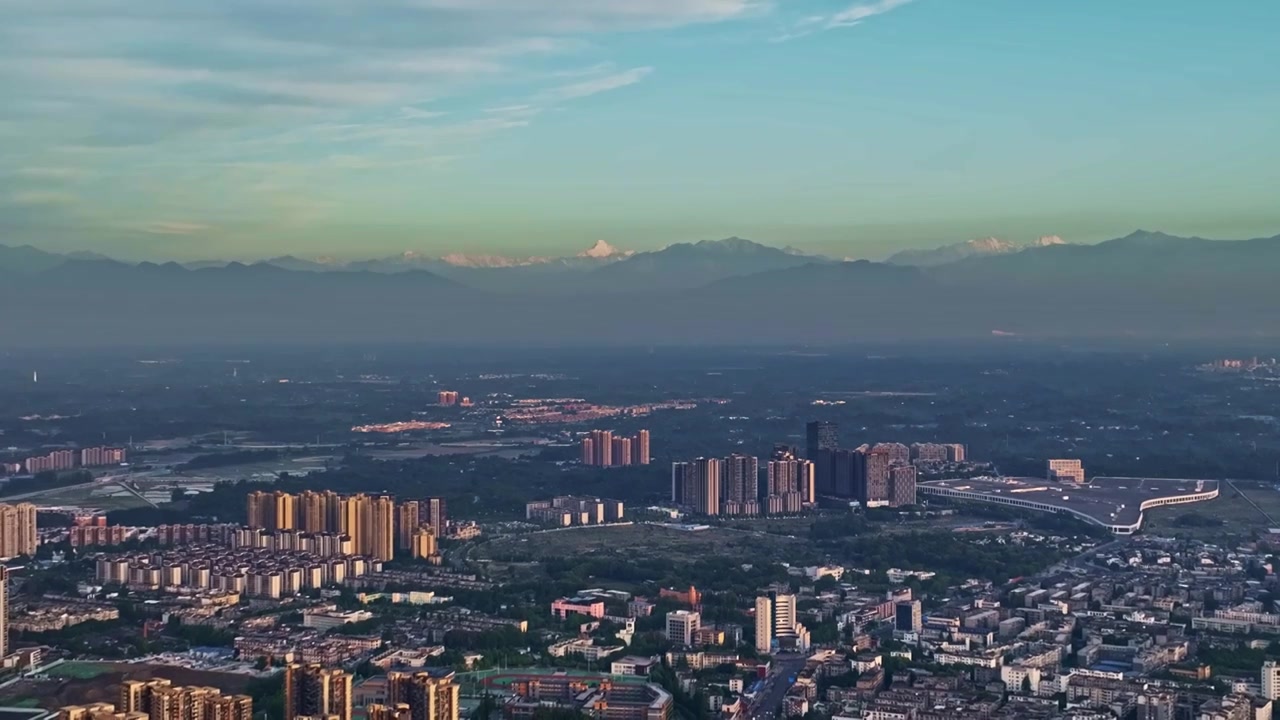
{"x":1063,"y":470}
{"x":370,"y":523}
{"x":408,"y":520}
{"x":18,"y":534}
{"x":956,"y":452}
{"x":640,"y":448}
{"x":697,"y":485}
{"x":908,"y":616}
{"x":432,"y":514}
{"x":316,"y":692}
{"x":160,"y":699}
{"x":871,"y":479}
{"x":601,"y":448}
{"x":822,"y":440}
{"x":101,"y":456}
{"x":902,"y":485}
{"x":621,"y":451}
{"x":426,"y":695}
{"x":764,"y":625}
{"x":704,"y":495}
{"x":447,"y":398}
{"x":286,"y":511}
{"x":897,"y":452}
{"x":682,"y":627}
{"x":1271,"y":680}
{"x":741,"y":478}
{"x":423,"y":543}
{"x":928,"y":452}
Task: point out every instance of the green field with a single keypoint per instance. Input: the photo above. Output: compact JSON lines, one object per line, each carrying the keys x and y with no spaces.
{"x":80,"y":670}
{"x":1236,"y":515}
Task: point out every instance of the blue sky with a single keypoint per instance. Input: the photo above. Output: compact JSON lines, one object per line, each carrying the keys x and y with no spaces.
{"x":360,"y":128}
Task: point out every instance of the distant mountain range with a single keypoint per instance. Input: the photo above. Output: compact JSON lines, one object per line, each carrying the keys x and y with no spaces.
{"x":962,"y":251}
{"x":734,"y":291}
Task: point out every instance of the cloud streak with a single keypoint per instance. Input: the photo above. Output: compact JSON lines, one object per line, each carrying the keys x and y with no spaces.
{"x":599,"y":85}
{"x":849,"y":17}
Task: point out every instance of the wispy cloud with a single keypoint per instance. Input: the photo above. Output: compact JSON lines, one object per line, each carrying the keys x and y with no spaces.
{"x":598,"y":85}
{"x":41,"y":197}
{"x":849,"y":17}
{"x":857,"y":13}
{"x":165,"y":227}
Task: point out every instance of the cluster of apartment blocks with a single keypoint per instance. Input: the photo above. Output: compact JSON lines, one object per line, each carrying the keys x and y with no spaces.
{"x":313,"y":692}
{"x":68,"y":460}
{"x":601,"y":448}
{"x":596,"y":697}
{"x":731,"y":486}
{"x":570,"y":510}
{"x":159,"y":699}
{"x":377,"y":526}
{"x":258,"y":572}
{"x":18,"y":534}
{"x":99,"y":533}
{"x":879,"y":475}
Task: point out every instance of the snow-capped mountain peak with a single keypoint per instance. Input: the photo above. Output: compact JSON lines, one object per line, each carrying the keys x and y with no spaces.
{"x":601,"y":250}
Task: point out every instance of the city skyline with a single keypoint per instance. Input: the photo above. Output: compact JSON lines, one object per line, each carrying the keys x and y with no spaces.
{"x":844,"y":128}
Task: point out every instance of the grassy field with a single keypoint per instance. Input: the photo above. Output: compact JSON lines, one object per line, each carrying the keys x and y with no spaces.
{"x":639,"y":540}
{"x":88,"y":496}
{"x":80,"y":670}
{"x":1235,"y":513}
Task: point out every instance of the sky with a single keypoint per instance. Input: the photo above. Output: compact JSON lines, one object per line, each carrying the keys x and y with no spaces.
{"x":175,"y":129}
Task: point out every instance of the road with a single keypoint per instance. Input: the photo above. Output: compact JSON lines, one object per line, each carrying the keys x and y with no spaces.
{"x":768,"y":702}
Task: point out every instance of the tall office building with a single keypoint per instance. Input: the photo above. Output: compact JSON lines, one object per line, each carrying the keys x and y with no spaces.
{"x":428,"y":695}
{"x":621,"y":451}
{"x":908,"y":616}
{"x":741,"y":477}
{"x":432,"y":513}
{"x":902,"y":485}
{"x":682,"y":627}
{"x":18,"y":534}
{"x":4,"y":611}
{"x":822,"y":440}
{"x":313,"y":691}
{"x":776,"y":624}
{"x":1062,"y":470}
{"x":640,"y":448}
{"x":408,"y":520}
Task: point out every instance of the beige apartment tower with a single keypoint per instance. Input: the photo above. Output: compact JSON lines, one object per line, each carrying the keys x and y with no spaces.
{"x":17,"y":530}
